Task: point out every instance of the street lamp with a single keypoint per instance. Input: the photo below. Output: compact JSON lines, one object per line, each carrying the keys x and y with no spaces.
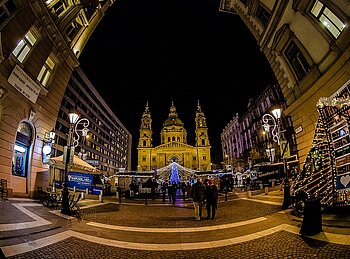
{"x":76,"y":126}
{"x":270,"y":121}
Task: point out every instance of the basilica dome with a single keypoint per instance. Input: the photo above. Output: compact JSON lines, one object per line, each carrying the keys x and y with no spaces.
{"x":173,"y":119}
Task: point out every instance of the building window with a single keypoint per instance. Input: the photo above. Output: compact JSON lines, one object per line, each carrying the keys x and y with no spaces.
{"x":296,"y":59}
{"x":58,"y":8}
{"x":143,"y":158}
{"x":262,"y":14}
{"x":46,"y":71}
{"x":24,"y":46}
{"x":6,"y":9}
{"x":330,"y":21}
{"x":72,"y":30}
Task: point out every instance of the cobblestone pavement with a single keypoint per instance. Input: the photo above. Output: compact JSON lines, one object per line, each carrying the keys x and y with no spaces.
{"x":244,"y":227}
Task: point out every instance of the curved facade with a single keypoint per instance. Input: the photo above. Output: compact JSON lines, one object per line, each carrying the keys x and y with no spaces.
{"x":40,"y":42}
{"x":173,"y":146}
{"x":307,"y":44}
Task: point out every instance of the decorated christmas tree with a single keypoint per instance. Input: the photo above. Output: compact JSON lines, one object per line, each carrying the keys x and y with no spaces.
{"x":174,"y":177}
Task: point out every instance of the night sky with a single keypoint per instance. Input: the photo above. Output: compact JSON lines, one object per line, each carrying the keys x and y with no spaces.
{"x":175,"y":50}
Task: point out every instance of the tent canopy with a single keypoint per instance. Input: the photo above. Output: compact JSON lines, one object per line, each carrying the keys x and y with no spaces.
{"x":78,"y":164}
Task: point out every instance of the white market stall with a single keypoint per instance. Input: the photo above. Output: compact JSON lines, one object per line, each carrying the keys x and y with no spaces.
{"x":57,"y":168}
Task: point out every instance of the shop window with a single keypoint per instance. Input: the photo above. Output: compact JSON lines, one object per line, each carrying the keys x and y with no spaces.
{"x":297,"y":60}
{"x":46,"y":71}
{"x":21,"y":150}
{"x":24,"y":46}
{"x":330,"y":21}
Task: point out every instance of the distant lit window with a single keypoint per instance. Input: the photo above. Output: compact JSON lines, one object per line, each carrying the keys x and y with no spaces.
{"x":6,"y":9}
{"x":330,"y":21}
{"x":297,"y":60}
{"x":262,"y":14}
{"x":46,"y":71}
{"x":24,"y":46}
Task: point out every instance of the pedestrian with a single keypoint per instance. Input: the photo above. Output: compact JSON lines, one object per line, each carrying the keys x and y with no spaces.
{"x":211,"y":196}
{"x":175,"y":187}
{"x":163,"y":188}
{"x":171,"y":192}
{"x":183,"y":189}
{"x":119,"y":191}
{"x":197,"y":194}
{"x":188,"y":189}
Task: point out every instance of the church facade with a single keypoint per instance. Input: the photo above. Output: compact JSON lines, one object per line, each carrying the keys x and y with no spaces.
{"x":173,"y":146}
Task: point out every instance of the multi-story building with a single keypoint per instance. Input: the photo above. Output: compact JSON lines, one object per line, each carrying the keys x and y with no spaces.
{"x":243,"y":140}
{"x":107,"y":145}
{"x":39,"y":47}
{"x":307,"y":44}
{"x":173,"y":146}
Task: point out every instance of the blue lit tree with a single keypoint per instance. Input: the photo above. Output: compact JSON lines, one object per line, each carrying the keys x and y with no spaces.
{"x":174,"y":177}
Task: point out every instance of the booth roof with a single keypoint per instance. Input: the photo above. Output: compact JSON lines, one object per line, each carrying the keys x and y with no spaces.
{"x":77,"y":163}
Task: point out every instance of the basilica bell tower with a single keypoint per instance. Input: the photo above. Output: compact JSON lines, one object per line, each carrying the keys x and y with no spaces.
{"x":146,"y":129}
{"x":202,"y":138}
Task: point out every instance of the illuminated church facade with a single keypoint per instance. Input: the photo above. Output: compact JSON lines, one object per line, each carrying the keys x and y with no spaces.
{"x":173,"y":146}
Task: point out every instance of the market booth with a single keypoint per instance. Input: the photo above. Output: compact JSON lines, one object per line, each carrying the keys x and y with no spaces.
{"x":81,"y":175}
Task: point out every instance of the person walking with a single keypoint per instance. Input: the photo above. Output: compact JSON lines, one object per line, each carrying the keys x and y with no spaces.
{"x":183,"y":189}
{"x":211,"y":196}
{"x":171,"y":192}
{"x":197,"y":194}
{"x":175,"y":187}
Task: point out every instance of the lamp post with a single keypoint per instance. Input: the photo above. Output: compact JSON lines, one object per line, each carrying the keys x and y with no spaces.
{"x":72,"y":142}
{"x":270,"y":121}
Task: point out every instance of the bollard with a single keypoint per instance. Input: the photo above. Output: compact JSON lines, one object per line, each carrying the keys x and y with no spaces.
{"x":73,"y":188}
{"x":117,"y":194}
{"x":261,"y":186}
{"x":87,"y":191}
{"x":312,"y":220}
{"x":82,"y":195}
{"x":266,"y":190}
{"x":249,"y":194}
{"x":100,"y":197}
{"x":54,"y":188}
{"x":273,"y":183}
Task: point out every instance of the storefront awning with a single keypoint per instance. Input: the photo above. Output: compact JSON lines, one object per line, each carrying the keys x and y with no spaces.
{"x":78,"y":164}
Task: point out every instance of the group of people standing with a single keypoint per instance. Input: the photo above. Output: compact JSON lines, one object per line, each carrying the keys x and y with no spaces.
{"x":204,"y":193}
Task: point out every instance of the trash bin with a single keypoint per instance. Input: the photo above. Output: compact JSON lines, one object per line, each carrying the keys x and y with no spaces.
{"x":312,"y":220}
